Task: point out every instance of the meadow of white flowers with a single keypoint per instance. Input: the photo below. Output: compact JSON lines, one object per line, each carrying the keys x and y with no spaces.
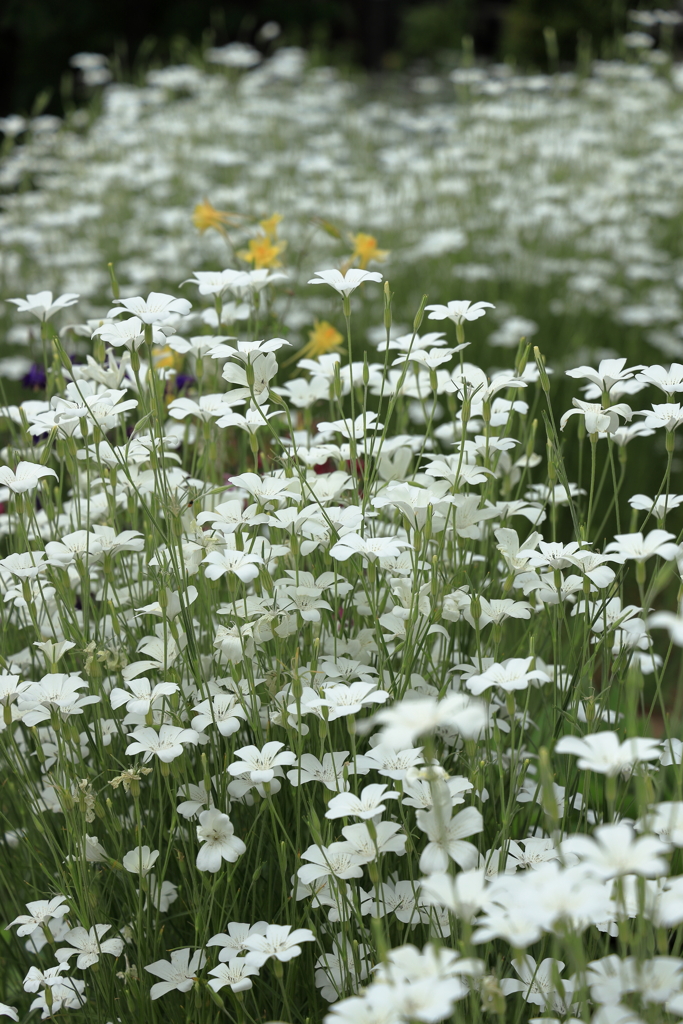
{"x":341,"y":683}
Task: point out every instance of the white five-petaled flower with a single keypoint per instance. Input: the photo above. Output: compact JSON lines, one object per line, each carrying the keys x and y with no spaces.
{"x":278,"y":941}
{"x":216,"y":832}
{"x":369,"y":548}
{"x":345,"y":283}
{"x":638,"y":548}
{"x":668,"y":415}
{"x":243,"y":564}
{"x":167,"y":744}
{"x":367,"y":805}
{"x":669,"y":381}
{"x":128,"y":333}
{"x":598,"y":420}
{"x":39,"y":913}
{"x":609,"y":373}
{"x":140,"y":861}
{"x":447,"y":838}
{"x":338,"y":859}
{"x":615,"y":850}
{"x":88,"y":945}
{"x":235,"y":974}
{"x":42,"y":305}
{"x":157,"y":308}
{"x":458,"y":310}
{"x":232,"y":942}
{"x":25,"y":477}
{"x":178,"y":975}
{"x":602,"y":752}
{"x":261,"y":765}
{"x":512,"y":674}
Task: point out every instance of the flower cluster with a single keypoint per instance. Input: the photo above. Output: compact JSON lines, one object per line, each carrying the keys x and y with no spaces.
{"x":327,"y":676}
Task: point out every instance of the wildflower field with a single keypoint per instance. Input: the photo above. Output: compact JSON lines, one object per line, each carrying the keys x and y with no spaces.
{"x":341,"y":672}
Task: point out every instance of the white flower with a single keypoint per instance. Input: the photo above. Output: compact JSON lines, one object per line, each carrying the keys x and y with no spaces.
{"x":357,"y":428}
{"x":346,"y":283}
{"x":217,"y":833}
{"x":388,"y":837}
{"x":668,"y":415}
{"x":389,"y":762}
{"x":223,"y":710}
{"x":343,"y":700}
{"x":128,"y":333}
{"x":42,"y":305}
{"x":464,"y":895}
{"x":214,"y":282}
{"x":8,"y":1011}
{"x":458,"y":310}
{"x":370,"y":548}
{"x":367,"y":805}
{"x":25,"y":477}
{"x":602,"y":752}
{"x":538,"y":983}
{"x":140,"y":861}
{"x":615,"y":850}
{"x":261,"y":765}
{"x":512,"y":674}
{"x":446,"y":838}
{"x":235,"y":974}
{"x":142,"y":697}
{"x":338,"y":859}
{"x":330,"y":771}
{"x":242,"y":564}
{"x":262,"y":369}
{"x":167,"y":744}
{"x":161,"y":895}
{"x":39,"y":913}
{"x":669,"y":381}
{"x":89,"y":946}
{"x":178,"y":975}
{"x":598,"y":420}
{"x":609,"y":373}
{"x":232,"y":943}
{"x":157,"y":308}
{"x":639,"y":548}
{"x":405,"y":720}
{"x":278,"y":941}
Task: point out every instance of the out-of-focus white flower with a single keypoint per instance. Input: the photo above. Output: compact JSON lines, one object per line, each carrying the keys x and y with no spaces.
{"x":602,"y":752}
{"x":42,"y":305}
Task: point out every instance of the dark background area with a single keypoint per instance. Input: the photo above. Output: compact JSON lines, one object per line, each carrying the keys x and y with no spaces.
{"x":37,"y":37}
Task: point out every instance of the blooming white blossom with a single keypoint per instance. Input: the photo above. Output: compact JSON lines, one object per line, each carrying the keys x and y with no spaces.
{"x":458,"y":310}
{"x":217,"y":833}
{"x":157,"y":308}
{"x":278,"y":941}
{"x":177,"y":975}
{"x":88,"y":945}
{"x":346,"y":283}
{"x":43,"y":306}
{"x":603,"y":753}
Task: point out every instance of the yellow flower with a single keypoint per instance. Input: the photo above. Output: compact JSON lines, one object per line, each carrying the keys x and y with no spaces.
{"x":262,"y":252}
{"x":322,"y":339}
{"x":166,"y":358}
{"x":206,"y":216}
{"x":365,"y":249}
{"x":269,"y":225}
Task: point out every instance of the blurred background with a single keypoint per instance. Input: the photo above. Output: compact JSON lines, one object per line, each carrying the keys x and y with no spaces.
{"x":37,"y":37}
